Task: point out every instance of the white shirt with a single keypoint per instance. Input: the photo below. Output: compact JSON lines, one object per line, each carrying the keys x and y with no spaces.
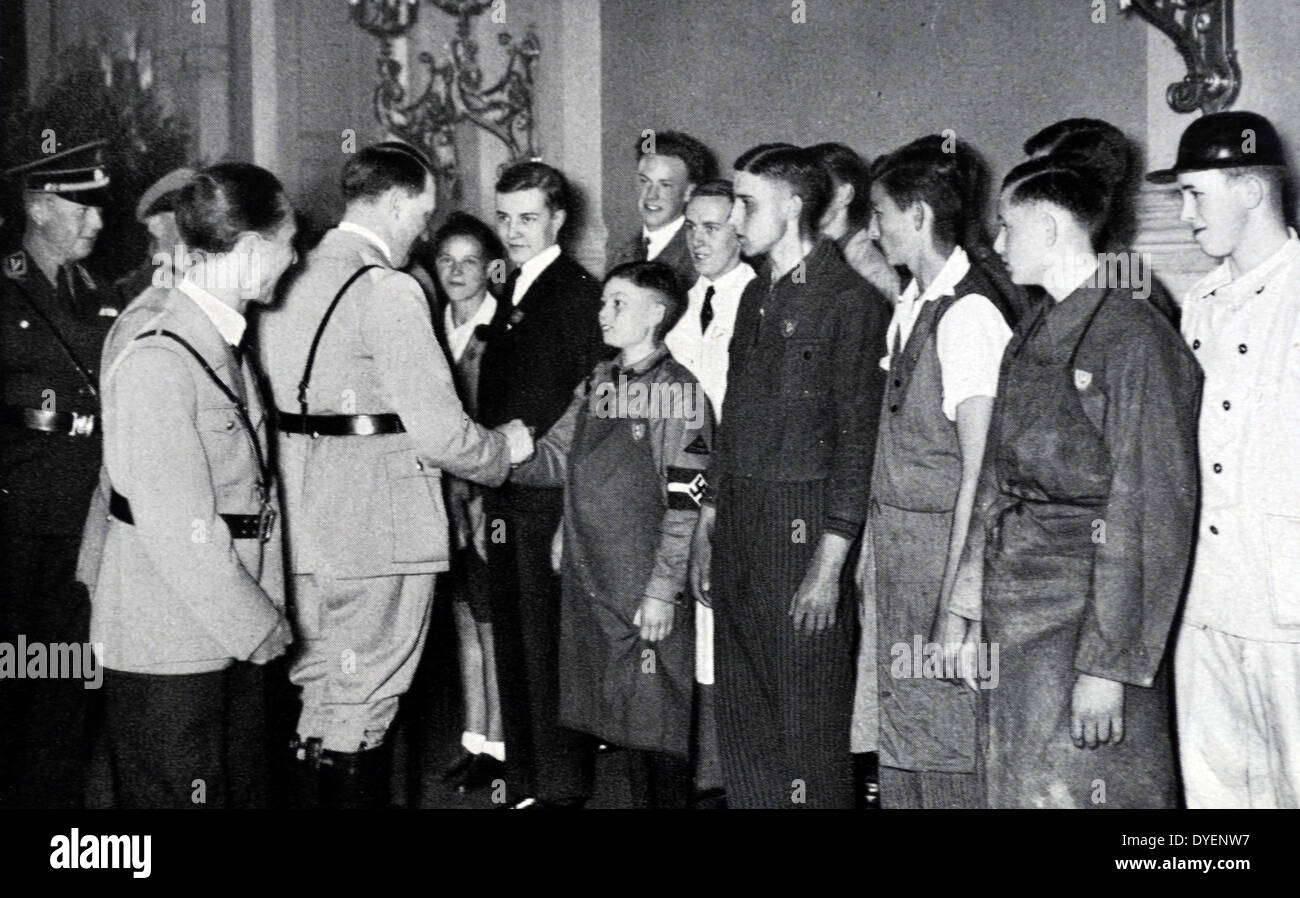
{"x":971,"y":339}
{"x":531,"y":270}
{"x":1246,"y":335}
{"x":705,"y":355}
{"x":361,"y":230}
{"x":229,"y":323}
{"x":662,"y":237}
{"x":458,"y":337}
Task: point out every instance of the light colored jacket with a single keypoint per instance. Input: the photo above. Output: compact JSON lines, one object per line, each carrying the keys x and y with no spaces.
{"x":369,"y":506}
{"x":173,"y":593}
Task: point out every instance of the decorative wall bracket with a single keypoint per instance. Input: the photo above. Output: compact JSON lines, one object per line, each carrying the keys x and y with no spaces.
{"x":455,"y":90}
{"x":1202,"y":32}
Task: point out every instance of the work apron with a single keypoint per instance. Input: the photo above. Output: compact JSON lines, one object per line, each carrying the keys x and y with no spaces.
{"x":927,"y":722}
{"x":1054,"y":473}
{"x":614,"y":685}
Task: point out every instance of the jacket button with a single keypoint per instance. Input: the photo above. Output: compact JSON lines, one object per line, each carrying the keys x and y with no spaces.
{"x":898,"y":382}
{"x":230,"y":425}
{"x":1241,"y":348}
{"x":894,"y":408}
{"x":419,"y":465}
{"x":1218,"y":468}
{"x":1214,"y":530}
{"x":1226,"y":405}
{"x":1196,"y":344}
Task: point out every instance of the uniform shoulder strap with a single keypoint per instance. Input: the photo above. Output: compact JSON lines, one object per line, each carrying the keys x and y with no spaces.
{"x":320,"y":332}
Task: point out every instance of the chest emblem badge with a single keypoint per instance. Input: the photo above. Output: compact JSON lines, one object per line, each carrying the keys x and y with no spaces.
{"x":1082,"y":379}
{"x":638,"y":430}
{"x":788,"y":327}
{"x":16,"y":265}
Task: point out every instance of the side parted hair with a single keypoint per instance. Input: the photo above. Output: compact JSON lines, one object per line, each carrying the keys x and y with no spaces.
{"x":718,"y":187}
{"x":1091,"y":141}
{"x":847,"y":167}
{"x":226,"y":200}
{"x":799,"y":170}
{"x":550,"y":181}
{"x":382,"y":166}
{"x":659,"y":279}
{"x":1077,"y":189}
{"x":701,"y":164}
{"x":940,"y":174}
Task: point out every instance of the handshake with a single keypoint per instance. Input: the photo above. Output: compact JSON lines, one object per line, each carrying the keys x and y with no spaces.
{"x":520,"y":438}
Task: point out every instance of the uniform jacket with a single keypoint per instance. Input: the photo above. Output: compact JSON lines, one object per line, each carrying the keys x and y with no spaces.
{"x":803,"y":387}
{"x":173,"y":592}
{"x":1246,"y":331}
{"x":46,"y":479}
{"x":369,"y":506}
{"x":676,"y":255}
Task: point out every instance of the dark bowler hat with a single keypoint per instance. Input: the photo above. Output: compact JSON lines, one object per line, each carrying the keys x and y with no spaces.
{"x":77,"y":175}
{"x":1224,"y":140}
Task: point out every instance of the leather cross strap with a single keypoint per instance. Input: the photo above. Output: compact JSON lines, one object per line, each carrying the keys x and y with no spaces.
{"x":320,"y":332}
{"x":263,"y":470}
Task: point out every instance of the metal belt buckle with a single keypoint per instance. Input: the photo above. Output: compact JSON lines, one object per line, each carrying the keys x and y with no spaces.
{"x":265,"y":522}
{"x":82,"y":425}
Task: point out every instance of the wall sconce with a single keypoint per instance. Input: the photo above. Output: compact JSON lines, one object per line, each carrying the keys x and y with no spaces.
{"x":455,"y":90}
{"x":1202,"y":32}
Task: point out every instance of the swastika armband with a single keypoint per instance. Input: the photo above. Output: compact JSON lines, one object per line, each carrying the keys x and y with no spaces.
{"x":686,"y":487}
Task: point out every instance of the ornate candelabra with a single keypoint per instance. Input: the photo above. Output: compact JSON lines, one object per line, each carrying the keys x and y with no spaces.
{"x":1202,"y":32}
{"x":455,"y":90}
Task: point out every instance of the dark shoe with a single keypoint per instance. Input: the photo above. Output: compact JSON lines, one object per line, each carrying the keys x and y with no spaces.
{"x":481,"y":771}
{"x":866,"y":780}
{"x":304,"y":767}
{"x":710,"y":800}
{"x":355,"y":780}
{"x":455,"y":772}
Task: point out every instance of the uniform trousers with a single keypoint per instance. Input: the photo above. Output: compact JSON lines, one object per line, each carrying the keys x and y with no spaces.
{"x":188,"y":740}
{"x":44,"y":733}
{"x":1238,"y":704}
{"x":785,"y":699}
{"x":359,"y":643}
{"x":543,"y":759}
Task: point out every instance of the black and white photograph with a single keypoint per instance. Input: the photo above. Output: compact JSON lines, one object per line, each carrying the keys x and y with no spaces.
{"x":649,"y":405}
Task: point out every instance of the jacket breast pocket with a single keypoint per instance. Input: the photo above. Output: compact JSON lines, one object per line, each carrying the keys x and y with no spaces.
{"x":805,"y":367}
{"x":1282,"y":543}
{"x":419,"y":518}
{"x":221,"y":432}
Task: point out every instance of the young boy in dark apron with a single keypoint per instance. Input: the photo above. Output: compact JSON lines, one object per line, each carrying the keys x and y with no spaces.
{"x":631,"y":452}
{"x":1082,"y":533}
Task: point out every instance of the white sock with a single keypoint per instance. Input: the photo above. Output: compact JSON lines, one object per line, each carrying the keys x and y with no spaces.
{"x":473,"y":742}
{"x":495,"y":749}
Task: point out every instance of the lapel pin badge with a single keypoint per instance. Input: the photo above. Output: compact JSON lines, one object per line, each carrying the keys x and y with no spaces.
{"x":1082,"y":379}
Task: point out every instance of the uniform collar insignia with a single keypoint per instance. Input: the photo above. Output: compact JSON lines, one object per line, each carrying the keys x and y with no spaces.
{"x":16,"y":265}
{"x":788,"y":327}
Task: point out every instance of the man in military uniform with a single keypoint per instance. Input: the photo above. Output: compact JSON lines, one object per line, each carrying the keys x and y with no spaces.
{"x":368,"y":419}
{"x":52,"y":326}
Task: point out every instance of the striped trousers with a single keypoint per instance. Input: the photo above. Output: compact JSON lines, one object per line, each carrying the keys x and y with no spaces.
{"x":784,"y":699}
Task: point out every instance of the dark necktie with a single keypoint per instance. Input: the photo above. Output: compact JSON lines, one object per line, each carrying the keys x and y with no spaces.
{"x":706,"y":311}
{"x":644,"y":253}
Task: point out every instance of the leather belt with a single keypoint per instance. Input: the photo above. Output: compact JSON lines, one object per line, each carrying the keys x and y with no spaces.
{"x":73,"y":424}
{"x":241,"y":526}
{"x":339,"y":425}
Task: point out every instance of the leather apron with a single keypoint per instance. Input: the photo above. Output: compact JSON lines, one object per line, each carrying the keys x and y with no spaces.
{"x":628,"y":692}
{"x":1054,"y":473}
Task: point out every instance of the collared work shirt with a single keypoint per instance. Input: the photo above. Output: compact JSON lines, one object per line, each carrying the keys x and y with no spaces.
{"x":970,"y":339}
